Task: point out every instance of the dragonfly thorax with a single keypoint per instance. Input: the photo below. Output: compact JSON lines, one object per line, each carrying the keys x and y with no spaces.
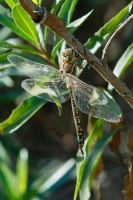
{"x":67,"y":68}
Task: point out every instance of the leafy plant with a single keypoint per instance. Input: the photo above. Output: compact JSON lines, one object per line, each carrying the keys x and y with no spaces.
{"x":33,"y":45}
{"x":16,"y":185}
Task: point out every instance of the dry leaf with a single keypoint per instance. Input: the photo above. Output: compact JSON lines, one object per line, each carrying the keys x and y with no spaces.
{"x":128,"y":186}
{"x":116,"y":140}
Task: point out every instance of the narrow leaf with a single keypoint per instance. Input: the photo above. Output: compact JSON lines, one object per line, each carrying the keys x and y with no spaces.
{"x":6,"y":20}
{"x":71,"y":10}
{"x":124,"y":62}
{"x":122,"y":65}
{"x":5,"y":33}
{"x":75,"y":24}
{"x":91,"y":164}
{"x":22,"y":170}
{"x":25,"y":24}
{"x":95,"y":42}
{"x":81,"y":161}
{"x":21,"y":114}
{"x":64,"y":11}
{"x":64,"y":15}
{"x":9,"y":181}
{"x":56,"y":49}
{"x":56,"y":179}
{"x":36,"y":1}
{"x":11,"y":3}
{"x":3,"y":155}
{"x":56,"y":5}
{"x":87,"y":166}
{"x":72,"y":27}
{"x":21,"y":47}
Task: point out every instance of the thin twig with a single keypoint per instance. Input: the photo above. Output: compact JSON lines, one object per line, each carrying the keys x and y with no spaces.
{"x":57,"y":25}
{"x":118,"y":30}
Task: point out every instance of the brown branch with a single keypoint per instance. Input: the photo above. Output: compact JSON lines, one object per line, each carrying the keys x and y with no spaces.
{"x":58,"y":26}
{"x":117,"y":31}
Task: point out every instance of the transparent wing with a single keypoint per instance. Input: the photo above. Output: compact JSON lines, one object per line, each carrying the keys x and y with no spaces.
{"x":104,"y":112}
{"x":87,"y":93}
{"x":45,"y":82}
{"x":98,"y":111}
{"x":91,"y":100}
{"x":33,"y":69}
{"x":49,"y":91}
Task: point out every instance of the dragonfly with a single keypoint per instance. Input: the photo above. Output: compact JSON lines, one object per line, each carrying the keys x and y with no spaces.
{"x":59,"y":85}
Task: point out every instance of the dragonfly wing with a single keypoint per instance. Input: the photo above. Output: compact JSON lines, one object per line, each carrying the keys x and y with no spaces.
{"x":50,"y":92}
{"x":88,"y":93}
{"x":33,"y":69}
{"x":45,"y":82}
{"x":104,"y":112}
{"x":91,"y":100}
{"x":99,"y":111}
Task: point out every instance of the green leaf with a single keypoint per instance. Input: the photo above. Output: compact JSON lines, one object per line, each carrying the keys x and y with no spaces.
{"x":86,"y":167}
{"x":10,"y":182}
{"x":71,"y":28}
{"x":56,"y":5}
{"x":5,"y":33}
{"x":65,"y":14}
{"x":91,"y":164}
{"x":3,"y":155}
{"x":75,"y":24}
{"x":124,"y":62}
{"x":6,"y":20}
{"x":40,"y":34}
{"x":122,"y":65}
{"x":64,"y":11}
{"x":20,"y":47}
{"x":5,"y":12}
{"x":21,"y":114}
{"x":47,"y":183}
{"x":96,"y":41}
{"x":7,"y":81}
{"x":25,"y":24}
{"x":81,"y":160}
{"x":55,"y":49}
{"x":22,"y":170}
{"x":71,"y":10}
{"x":36,"y":1}
{"x":11,"y":3}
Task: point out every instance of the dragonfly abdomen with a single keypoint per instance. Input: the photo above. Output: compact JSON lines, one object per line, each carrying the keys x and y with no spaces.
{"x":76,"y":117}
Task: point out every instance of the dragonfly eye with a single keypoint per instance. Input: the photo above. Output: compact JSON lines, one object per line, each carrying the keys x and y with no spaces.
{"x":67,"y":56}
{"x":64,"y":55}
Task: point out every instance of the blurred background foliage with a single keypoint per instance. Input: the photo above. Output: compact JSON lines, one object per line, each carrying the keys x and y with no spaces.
{"x":37,"y":161}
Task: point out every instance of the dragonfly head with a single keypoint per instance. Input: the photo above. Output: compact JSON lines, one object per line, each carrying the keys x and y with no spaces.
{"x":67,"y":56}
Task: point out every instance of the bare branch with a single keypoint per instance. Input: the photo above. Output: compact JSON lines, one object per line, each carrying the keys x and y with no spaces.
{"x":57,"y":25}
{"x":118,"y":30}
